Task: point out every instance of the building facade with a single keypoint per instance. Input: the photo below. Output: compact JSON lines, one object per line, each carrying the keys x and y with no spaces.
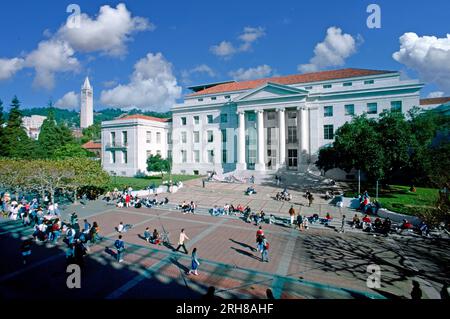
{"x":127,"y":143}
{"x":32,"y":125}
{"x":281,"y":122}
{"x":87,"y":104}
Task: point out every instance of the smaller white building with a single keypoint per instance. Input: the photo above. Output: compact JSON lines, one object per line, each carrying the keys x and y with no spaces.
{"x":128,"y":142}
{"x":32,"y":125}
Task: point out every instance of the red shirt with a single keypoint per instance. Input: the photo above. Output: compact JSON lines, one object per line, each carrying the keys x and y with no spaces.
{"x":127,"y":198}
{"x":367,"y":220}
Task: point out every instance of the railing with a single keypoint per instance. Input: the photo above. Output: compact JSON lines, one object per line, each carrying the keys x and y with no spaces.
{"x":116,"y":145}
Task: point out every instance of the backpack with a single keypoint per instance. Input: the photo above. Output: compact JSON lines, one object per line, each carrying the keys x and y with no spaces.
{"x":267,"y":246}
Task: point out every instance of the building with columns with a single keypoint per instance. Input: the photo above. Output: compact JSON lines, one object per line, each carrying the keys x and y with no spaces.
{"x":87,"y":104}
{"x":281,"y":122}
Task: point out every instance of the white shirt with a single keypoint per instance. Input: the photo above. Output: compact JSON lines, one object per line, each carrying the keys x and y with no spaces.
{"x":183,"y":237}
{"x":120,"y":228}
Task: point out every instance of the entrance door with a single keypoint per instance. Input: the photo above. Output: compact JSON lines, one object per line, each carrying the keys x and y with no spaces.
{"x":292,"y":158}
{"x":271,"y":159}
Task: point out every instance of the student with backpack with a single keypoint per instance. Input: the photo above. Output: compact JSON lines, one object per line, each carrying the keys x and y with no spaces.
{"x":120,"y":246}
{"x":264,"y":250}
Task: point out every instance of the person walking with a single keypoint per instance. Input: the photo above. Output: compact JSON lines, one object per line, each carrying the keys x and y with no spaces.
{"x":264,"y":248}
{"x":120,"y":246}
{"x":300,"y":222}
{"x":342,"y":224}
{"x":194,"y":264}
{"x":310,"y":199}
{"x":183,"y":237}
{"x":292,"y":214}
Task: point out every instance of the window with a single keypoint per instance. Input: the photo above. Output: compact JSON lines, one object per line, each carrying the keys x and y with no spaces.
{"x":292,"y":134}
{"x":213,"y":98}
{"x":372,"y":108}
{"x":227,"y":96}
{"x":169,"y":154}
{"x":196,"y":120}
{"x":113,"y":157}
{"x":200,"y":100}
{"x":196,"y":137}
{"x":169,"y":138}
{"x":292,"y":115}
{"x":224,"y":136}
{"x":366,"y":82}
{"x":271,"y":116}
{"x":308,"y":87}
{"x":183,"y":121}
{"x":210,"y":136}
{"x":396,"y":106}
{"x":327,"y":86}
{"x":210,"y":119}
{"x":196,"y":156}
{"x":252,"y":117}
{"x":224,"y":156}
{"x":124,"y":138}
{"x":183,"y":156}
{"x":158,"y":152}
{"x":183,"y":137}
{"x":223,"y":118}
{"x":328,"y":132}
{"x":149,"y":153}
{"x":149,"y":137}
{"x":328,"y":111}
{"x":347,"y":84}
{"x":113,"y":139}
{"x":158,"y":137}
{"x":124,"y":157}
{"x":211,"y":156}
{"x":350,"y":109}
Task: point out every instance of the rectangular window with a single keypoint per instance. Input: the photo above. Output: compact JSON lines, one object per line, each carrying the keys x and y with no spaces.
{"x":347,"y":84}
{"x":149,"y":153}
{"x":148,"y":137}
{"x":196,"y":156}
{"x":200,"y":100}
{"x":124,"y":157}
{"x":223,"y":118}
{"x":271,"y":116}
{"x":158,"y":137}
{"x":113,"y":138}
{"x":213,"y":98}
{"x":396,"y":106}
{"x":292,"y":115}
{"x":210,"y":136}
{"x":124,"y":138}
{"x":183,"y":156}
{"x":196,"y":120}
{"x":183,"y":137}
{"x":327,"y":86}
{"x":210,"y":119}
{"x":366,"y":82}
{"x":292,"y":134}
{"x":372,"y":108}
{"x":224,"y":136}
{"x":196,"y":137}
{"x":169,"y":154}
{"x":169,"y":138}
{"x":113,"y":157}
{"x":350,"y":109}
{"x":211,"y":156}
{"x":308,"y":87}
{"x":328,"y":111}
{"x":224,"y":156}
{"x":328,"y":132}
{"x":183,"y":121}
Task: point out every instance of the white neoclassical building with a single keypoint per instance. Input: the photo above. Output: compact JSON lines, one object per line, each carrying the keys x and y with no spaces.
{"x":127,"y":143}
{"x":279,"y":122}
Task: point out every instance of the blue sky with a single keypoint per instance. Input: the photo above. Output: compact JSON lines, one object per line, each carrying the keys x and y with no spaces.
{"x":259,"y":38}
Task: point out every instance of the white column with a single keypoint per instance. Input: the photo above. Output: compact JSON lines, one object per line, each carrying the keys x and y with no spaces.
{"x":305,"y":135}
{"x":282,"y":138}
{"x":241,"y":165}
{"x":260,"y":165}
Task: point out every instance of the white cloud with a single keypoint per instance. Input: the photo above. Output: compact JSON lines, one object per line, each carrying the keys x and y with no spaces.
{"x":224,"y":49}
{"x":199,"y":69}
{"x":50,"y":57}
{"x":428,"y":55}
{"x":69,"y":101}
{"x":9,"y":67}
{"x":249,"y":35}
{"x":435,"y":94}
{"x":107,"y":33}
{"x":251,"y":73}
{"x":109,"y":84}
{"x":152,"y":86}
{"x":333,"y":51}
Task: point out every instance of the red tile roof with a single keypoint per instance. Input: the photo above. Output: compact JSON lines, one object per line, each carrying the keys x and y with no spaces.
{"x":434,"y":100}
{"x":143,"y":117}
{"x":92,"y":145}
{"x":291,"y":79}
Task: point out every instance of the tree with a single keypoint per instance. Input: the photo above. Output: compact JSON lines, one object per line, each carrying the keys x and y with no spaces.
{"x":16,"y":141}
{"x":70,"y":150}
{"x":91,"y":133}
{"x":2,"y":122}
{"x":155,"y":163}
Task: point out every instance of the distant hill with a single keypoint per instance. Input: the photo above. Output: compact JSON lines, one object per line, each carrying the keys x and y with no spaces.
{"x":72,"y":118}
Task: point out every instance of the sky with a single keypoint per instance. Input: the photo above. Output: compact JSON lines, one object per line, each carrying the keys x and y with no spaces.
{"x":146,"y":54}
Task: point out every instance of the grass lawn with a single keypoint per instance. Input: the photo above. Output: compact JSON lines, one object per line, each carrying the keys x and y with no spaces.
{"x":138,"y":183}
{"x":399,"y":199}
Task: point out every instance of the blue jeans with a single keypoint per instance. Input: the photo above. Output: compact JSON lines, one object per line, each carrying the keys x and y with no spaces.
{"x":265,"y":255}
{"x":119,"y":254}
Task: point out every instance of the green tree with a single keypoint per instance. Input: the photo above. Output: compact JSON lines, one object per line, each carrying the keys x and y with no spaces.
{"x":155,"y":163}
{"x":70,"y":150}
{"x":91,"y":133}
{"x":16,"y":141}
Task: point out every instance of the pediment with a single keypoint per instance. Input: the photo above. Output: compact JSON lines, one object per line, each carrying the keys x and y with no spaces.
{"x":270,"y":91}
